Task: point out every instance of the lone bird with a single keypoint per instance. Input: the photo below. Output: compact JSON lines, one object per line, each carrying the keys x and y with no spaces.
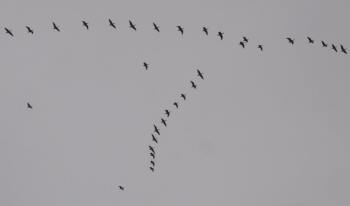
{"x":8,"y":31}
{"x":167,"y":112}
{"x":121,"y":187}
{"x":343,"y":49}
{"x":85,"y":24}
{"x":111,"y":23}
{"x":205,"y":30}
{"x":156,"y":27}
{"x":151,"y":168}
{"x":156,"y":130}
{"x":55,"y":27}
{"x":200,"y":74}
{"x":183,"y":96}
{"x":145,"y":65}
{"x":221,"y":35}
{"x":152,"y":155}
{"x":132,"y":25}
{"x":324,"y":44}
{"x":290,"y":40}
{"x":154,"y":139}
{"x":151,"y":148}
{"x":29,"y":106}
{"x":176,"y":105}
{"x":180,"y":29}
{"x":311,"y":41}
{"x":260,"y":47}
{"x":152,"y":163}
{"x":193,"y":85}
{"x":242,"y":44}
{"x":163,"y":122}
{"x":245,"y":39}
{"x":29,"y":30}
{"x":334,"y":48}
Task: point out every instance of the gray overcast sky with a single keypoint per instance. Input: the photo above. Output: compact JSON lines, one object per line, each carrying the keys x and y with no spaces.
{"x":264,"y":128}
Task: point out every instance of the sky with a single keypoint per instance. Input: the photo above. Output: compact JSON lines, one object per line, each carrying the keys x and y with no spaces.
{"x":263,"y":128}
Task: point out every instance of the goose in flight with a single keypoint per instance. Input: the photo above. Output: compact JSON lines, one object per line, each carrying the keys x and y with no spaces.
{"x":183,"y":96}
{"x":55,"y":27}
{"x":221,"y":35}
{"x":152,"y":155}
{"x":200,"y":74}
{"x":151,"y":168}
{"x":260,"y":47}
{"x":311,"y":41}
{"x":343,"y":49}
{"x":156,"y":27}
{"x":242,"y":44}
{"x":85,"y":24}
{"x":324,"y":44}
{"x":154,"y":139}
{"x":152,"y":163}
{"x":180,"y":29}
{"x":29,"y":30}
{"x":111,"y":23}
{"x":193,"y":85}
{"x":132,"y":25}
{"x":145,"y":64}
{"x":176,"y":105}
{"x":29,"y":106}
{"x":163,"y":122}
{"x":334,"y":48}
{"x":245,"y":39}
{"x":290,"y":40}
{"x":156,"y":130}
{"x":205,"y":30}
{"x":8,"y":31}
{"x":152,"y":149}
{"x":167,"y":112}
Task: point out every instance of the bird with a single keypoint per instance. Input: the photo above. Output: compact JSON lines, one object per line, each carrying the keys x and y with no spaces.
{"x":205,"y":30}
{"x":200,"y":74}
{"x":242,"y":44}
{"x":176,"y":105}
{"x":85,"y":24}
{"x":167,"y":112}
{"x":180,"y":29}
{"x":311,"y":41}
{"x":193,"y":85}
{"x":245,"y":39}
{"x":145,"y":65}
{"x":260,"y":47}
{"x":152,"y":163}
{"x":132,"y":25}
{"x":343,"y":49}
{"x":29,"y":106}
{"x":221,"y":35}
{"x":8,"y":31}
{"x":156,"y":27}
{"x":183,"y":96}
{"x":111,"y":23}
{"x":324,"y":44}
{"x":154,"y":139}
{"x":151,"y":168}
{"x":290,"y":40}
{"x":29,"y":30}
{"x":151,"y":148}
{"x":55,"y":27}
{"x":163,"y":122}
{"x":121,"y":187}
{"x":156,"y":130}
{"x":152,"y":155}
{"x":334,"y":48}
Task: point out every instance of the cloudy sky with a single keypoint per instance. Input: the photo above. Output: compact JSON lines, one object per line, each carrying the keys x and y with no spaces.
{"x":264,"y":128}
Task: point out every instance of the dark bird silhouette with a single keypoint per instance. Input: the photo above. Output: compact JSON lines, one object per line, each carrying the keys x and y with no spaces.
{"x":183,"y":96}
{"x":343,"y":49}
{"x":205,"y":30}
{"x":85,"y":24}
{"x":151,"y":168}
{"x":193,"y":85}
{"x":163,"y":122}
{"x":152,"y":149}
{"x":260,"y":47}
{"x":156,"y":27}
{"x":167,"y":112}
{"x":324,"y":44}
{"x":154,"y":139}
{"x":111,"y":23}
{"x":29,"y":30}
{"x":8,"y":31}
{"x":200,"y":74}
{"x":152,"y":155}
{"x":176,"y":105}
{"x":242,"y":44}
{"x":55,"y":27}
{"x":132,"y":25}
{"x":156,"y":130}
{"x":29,"y":106}
{"x":334,"y":48}
{"x":245,"y":39}
{"x":121,"y":187}
{"x":152,"y":163}
{"x":145,"y":65}
{"x":180,"y":29}
{"x":311,"y":41}
{"x":290,"y":40}
{"x":221,"y":35}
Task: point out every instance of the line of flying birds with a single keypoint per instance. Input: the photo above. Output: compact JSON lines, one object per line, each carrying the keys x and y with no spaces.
{"x":180,"y":29}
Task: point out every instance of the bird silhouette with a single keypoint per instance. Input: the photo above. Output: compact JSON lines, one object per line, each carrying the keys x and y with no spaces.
{"x":111,"y":23}
{"x":324,"y":44}
{"x":29,"y":30}
{"x":180,"y":29}
{"x":156,"y":27}
{"x":152,"y":155}
{"x":311,"y":41}
{"x":167,"y":112}
{"x":29,"y":106}
{"x":151,"y":168}
{"x":176,"y":104}
{"x":132,"y":25}
{"x":152,"y":163}
{"x":290,"y":40}
{"x":200,"y":74}
{"x":242,"y":44}
{"x":193,"y":85}
{"x":156,"y":130}
{"x":343,"y":49}
{"x":85,"y":24}
{"x":145,"y":65}
{"x":152,"y":149}
{"x":260,"y":47}
{"x":183,"y":96}
{"x":163,"y":122}
{"x":245,"y":39}
{"x":205,"y":30}
{"x":221,"y":35}
{"x":121,"y":187}
{"x":154,"y":139}
{"x":334,"y":48}
{"x":8,"y":31}
{"x":55,"y":27}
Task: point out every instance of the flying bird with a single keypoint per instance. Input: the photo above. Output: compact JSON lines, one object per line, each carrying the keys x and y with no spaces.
{"x":242,"y":44}
{"x":180,"y":29}
{"x":29,"y":30}
{"x":85,"y":24}
{"x":29,"y":106}
{"x":176,"y":105}
{"x":156,"y":27}
{"x":167,"y":112}
{"x":154,"y":139}
{"x":245,"y":39}
{"x":164,"y":122}
{"x":200,"y":74}
{"x":205,"y":30}
{"x":334,"y":48}
{"x":343,"y":49}
{"x":260,"y":47}
{"x":221,"y":35}
{"x":311,"y":41}
{"x":132,"y":25}
{"x":8,"y":31}
{"x":324,"y":44}
{"x":290,"y":40}
{"x":151,"y":148}
{"x":111,"y":23}
{"x":152,"y":163}
{"x":156,"y":130}
{"x":121,"y":187}
{"x":152,"y":155}
{"x":183,"y":96}
{"x":145,"y":65}
{"x":193,"y":85}
{"x":55,"y":27}
{"x":151,"y":168}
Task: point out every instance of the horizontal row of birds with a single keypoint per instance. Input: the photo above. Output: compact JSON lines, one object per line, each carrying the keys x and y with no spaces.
{"x":163,"y":120}
{"x":180,"y":28}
